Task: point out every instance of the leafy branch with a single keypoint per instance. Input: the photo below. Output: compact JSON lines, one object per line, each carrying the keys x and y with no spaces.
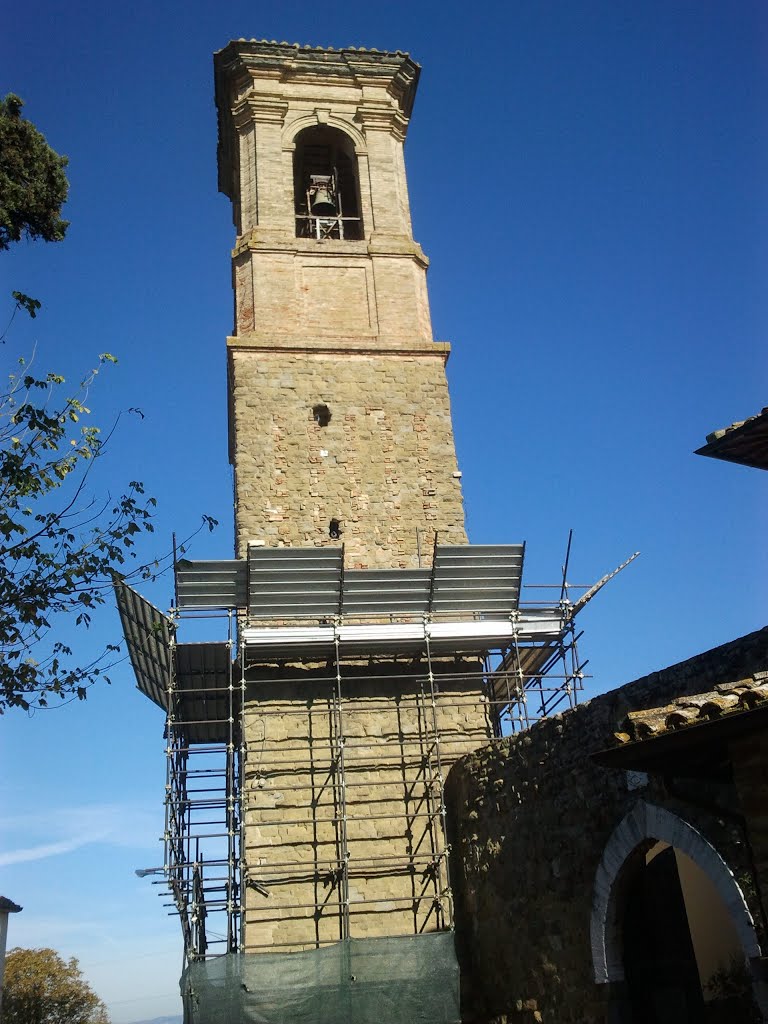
{"x":59,"y":548}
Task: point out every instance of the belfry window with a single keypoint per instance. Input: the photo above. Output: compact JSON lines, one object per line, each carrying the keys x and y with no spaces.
{"x":326,"y":186}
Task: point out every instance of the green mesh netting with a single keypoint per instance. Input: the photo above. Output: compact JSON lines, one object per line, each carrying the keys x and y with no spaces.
{"x":413,"y":979}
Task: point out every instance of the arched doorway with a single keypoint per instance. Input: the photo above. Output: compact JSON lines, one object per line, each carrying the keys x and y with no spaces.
{"x":671,"y":931}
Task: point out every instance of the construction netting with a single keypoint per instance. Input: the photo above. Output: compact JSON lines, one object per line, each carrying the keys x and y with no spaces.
{"x":412,"y":979}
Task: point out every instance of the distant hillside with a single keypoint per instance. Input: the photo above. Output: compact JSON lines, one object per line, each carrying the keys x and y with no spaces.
{"x":160,"y":1020}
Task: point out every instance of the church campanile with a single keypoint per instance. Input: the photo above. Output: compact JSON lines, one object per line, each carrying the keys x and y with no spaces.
{"x":341,"y":439}
{"x":368,"y":644}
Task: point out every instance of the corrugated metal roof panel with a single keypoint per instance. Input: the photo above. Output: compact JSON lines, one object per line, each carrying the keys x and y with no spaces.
{"x":202,"y":692}
{"x":478,"y":578}
{"x":211,"y":584}
{"x":148,"y":636}
{"x":202,"y":670}
{"x":386,"y":592}
{"x":505,"y":682}
{"x":286,"y":583}
{"x":306,"y":583}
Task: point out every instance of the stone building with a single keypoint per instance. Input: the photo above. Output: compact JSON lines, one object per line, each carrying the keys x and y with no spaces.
{"x":611,"y":863}
{"x":368,"y":645}
{"x":566,"y":911}
{"x":340,"y":431}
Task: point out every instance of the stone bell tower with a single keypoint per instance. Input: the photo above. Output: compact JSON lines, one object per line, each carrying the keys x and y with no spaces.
{"x":340,"y":426}
{"x":368,"y":645}
{"x":349,"y":516}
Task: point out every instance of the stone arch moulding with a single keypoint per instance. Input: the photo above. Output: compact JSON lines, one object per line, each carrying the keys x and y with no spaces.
{"x":292,"y":129}
{"x":647,"y":821}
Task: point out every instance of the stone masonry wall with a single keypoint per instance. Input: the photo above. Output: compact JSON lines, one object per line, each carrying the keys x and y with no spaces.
{"x":392,"y":764}
{"x":384,"y":466}
{"x":531,"y":815}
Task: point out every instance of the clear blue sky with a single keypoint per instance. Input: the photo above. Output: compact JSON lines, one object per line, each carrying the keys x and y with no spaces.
{"x":590,"y":181}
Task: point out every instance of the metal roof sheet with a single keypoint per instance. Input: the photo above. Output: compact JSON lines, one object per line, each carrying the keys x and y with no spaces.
{"x":294,"y":582}
{"x":312,"y":584}
{"x":446,"y":637}
{"x":385,"y":592}
{"x":202,"y":696}
{"x":147,"y":635}
{"x":211,"y":584}
{"x":534,"y":662}
{"x":479,"y":578}
{"x":201,"y":699}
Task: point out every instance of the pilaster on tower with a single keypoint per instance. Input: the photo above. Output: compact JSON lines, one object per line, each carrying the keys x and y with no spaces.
{"x":331,"y":310}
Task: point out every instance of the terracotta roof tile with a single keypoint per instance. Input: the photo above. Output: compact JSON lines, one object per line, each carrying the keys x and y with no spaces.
{"x":745,"y":442}
{"x":725,"y":699}
{"x":717,"y":434}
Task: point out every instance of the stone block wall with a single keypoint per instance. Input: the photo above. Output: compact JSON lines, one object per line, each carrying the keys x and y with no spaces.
{"x":384,"y":466}
{"x":292,"y":796}
{"x":530,"y":817}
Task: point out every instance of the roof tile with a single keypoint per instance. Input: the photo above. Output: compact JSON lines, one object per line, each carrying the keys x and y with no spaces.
{"x":724,"y":699}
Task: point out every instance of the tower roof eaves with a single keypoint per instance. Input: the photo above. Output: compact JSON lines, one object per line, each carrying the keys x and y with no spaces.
{"x":262,"y":58}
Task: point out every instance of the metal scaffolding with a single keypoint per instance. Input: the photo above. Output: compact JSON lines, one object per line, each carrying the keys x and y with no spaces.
{"x":306,"y":825}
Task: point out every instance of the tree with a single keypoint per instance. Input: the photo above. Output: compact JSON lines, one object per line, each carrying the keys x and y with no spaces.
{"x":42,"y":988}
{"x":33,"y":186}
{"x":59,"y":545}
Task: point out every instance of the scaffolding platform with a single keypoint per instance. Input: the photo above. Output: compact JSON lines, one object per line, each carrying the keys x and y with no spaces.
{"x":335,"y":689}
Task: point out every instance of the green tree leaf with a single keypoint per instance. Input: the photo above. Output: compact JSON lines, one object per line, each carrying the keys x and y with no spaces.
{"x":33,"y":186}
{"x":42,"y":988}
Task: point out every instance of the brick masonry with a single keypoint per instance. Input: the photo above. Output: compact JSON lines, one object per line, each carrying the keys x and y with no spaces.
{"x":340,"y":322}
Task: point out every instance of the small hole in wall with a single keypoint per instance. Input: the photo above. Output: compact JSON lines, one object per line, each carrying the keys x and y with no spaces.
{"x":321,"y":415}
{"x":334,"y":529}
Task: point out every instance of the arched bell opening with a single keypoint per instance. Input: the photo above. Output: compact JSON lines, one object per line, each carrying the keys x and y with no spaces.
{"x":326,"y":185}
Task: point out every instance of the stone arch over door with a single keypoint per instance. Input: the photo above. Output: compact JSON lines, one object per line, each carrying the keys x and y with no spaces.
{"x":647,"y":823}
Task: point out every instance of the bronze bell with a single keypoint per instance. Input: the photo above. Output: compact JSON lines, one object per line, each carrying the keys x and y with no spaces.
{"x":322,"y":198}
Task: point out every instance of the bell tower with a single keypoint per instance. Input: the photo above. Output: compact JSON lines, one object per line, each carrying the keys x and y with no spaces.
{"x":368,"y":645}
{"x":340,"y":426}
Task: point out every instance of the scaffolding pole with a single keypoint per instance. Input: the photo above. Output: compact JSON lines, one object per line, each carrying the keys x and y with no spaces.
{"x":325,"y":804}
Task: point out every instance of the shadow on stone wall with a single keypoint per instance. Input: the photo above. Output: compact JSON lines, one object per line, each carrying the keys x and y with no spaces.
{"x":530,"y":816}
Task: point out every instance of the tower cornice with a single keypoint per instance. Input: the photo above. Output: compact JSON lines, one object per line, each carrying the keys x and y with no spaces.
{"x":375,"y":116}
{"x":378,"y":244}
{"x":271,"y":343}
{"x":384,"y":81}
